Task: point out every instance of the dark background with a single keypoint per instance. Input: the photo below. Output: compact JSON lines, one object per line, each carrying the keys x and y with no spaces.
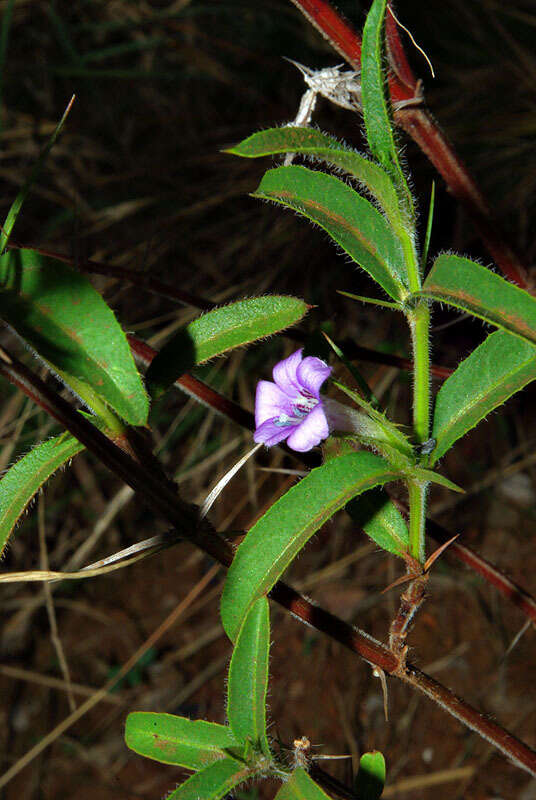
{"x":138,"y":180}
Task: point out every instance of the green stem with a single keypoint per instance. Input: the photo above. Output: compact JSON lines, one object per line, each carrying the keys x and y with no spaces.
{"x":419,"y":323}
{"x":417,"y":519}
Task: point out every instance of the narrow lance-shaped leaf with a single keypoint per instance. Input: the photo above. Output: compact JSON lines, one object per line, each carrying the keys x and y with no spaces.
{"x":374,"y":96}
{"x":311,"y":142}
{"x":276,"y":539}
{"x":351,"y":221}
{"x":464,"y":284}
{"x":219,"y":331}
{"x":213,"y":782}
{"x":193,"y":744}
{"x":377,"y":515}
{"x":370,"y":779}
{"x":65,"y":320}
{"x":300,"y":786}
{"x":248,"y":678}
{"x":499,"y":367}
{"x":380,"y":432}
{"x":23,"y":480}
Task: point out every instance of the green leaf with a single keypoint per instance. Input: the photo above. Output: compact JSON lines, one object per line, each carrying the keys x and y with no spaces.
{"x":248,"y":678}
{"x":213,"y":782}
{"x":370,"y":779}
{"x":376,"y":111}
{"x":428,"y":234}
{"x":377,"y":515}
{"x":276,"y":539}
{"x":23,"y":480}
{"x":499,"y":367}
{"x":428,"y":476}
{"x":219,"y":331}
{"x":300,"y":786}
{"x":375,"y":430}
{"x":193,"y":744}
{"x":350,"y":220}
{"x":61,"y":316}
{"x":464,"y":284}
{"x":309,"y":141}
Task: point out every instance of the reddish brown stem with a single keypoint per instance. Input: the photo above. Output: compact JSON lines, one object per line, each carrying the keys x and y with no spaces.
{"x":196,"y":388}
{"x":410,"y":602}
{"x":163,"y":497}
{"x":512,"y":591}
{"x":421,"y":127}
{"x":426,"y":133}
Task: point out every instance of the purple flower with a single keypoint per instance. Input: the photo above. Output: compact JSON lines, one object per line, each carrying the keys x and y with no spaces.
{"x":291,"y":406}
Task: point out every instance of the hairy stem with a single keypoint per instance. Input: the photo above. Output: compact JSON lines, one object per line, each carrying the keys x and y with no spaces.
{"x":419,"y":321}
{"x":417,"y":519}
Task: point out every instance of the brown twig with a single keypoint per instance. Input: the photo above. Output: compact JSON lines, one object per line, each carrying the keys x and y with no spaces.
{"x":205,"y":394}
{"x":420,"y":125}
{"x":164,"y":498}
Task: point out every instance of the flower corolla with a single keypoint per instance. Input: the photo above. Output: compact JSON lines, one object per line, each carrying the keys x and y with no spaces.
{"x":290,"y":407}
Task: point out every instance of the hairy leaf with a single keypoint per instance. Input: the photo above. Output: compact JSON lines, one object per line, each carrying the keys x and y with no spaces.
{"x":213,"y":782}
{"x":219,"y":331}
{"x":193,"y":744}
{"x":61,"y":316}
{"x":470,"y":286}
{"x":381,"y":520}
{"x":23,"y":480}
{"x":276,"y":539}
{"x":300,"y":786}
{"x":499,"y":367}
{"x":311,"y":142}
{"x":248,"y":678}
{"x":375,"y":103}
{"x":351,"y":220}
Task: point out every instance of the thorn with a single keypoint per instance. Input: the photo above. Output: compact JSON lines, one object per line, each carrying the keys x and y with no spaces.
{"x":435,"y":555}
{"x":403,"y":579}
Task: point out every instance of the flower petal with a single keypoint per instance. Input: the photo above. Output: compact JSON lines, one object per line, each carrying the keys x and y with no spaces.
{"x":310,"y":432}
{"x":270,"y":402}
{"x":284,"y":373}
{"x":269,"y":433}
{"x":311,"y":374}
